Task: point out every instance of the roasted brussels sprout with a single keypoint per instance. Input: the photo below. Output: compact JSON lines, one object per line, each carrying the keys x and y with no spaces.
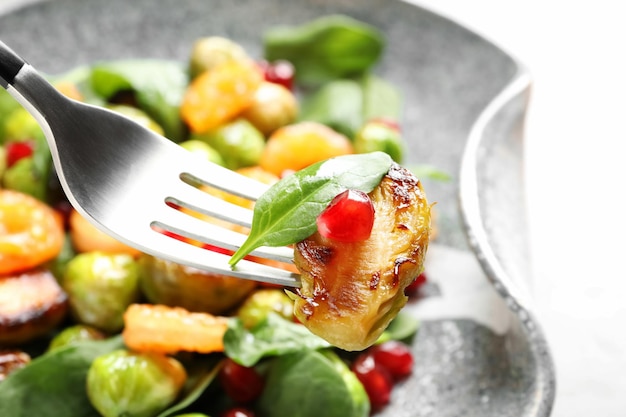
{"x":261,"y":302}
{"x":100,"y":287}
{"x":172,"y":284}
{"x":22,"y":176}
{"x":209,"y":52}
{"x":380,"y":135}
{"x":124,"y":383}
{"x":351,"y":291}
{"x":239,"y":142}
{"x":273,"y":106}
{"x":32,"y":304}
{"x":73,"y":334}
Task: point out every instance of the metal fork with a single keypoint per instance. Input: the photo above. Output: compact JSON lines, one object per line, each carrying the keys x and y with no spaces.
{"x":130,"y":182}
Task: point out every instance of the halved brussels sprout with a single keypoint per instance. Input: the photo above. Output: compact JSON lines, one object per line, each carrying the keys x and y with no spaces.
{"x":124,"y":383}
{"x":176,"y":285}
{"x":261,"y":302}
{"x":351,"y":291}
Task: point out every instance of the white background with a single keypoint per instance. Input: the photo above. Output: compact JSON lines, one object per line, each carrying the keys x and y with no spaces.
{"x":576,"y":175}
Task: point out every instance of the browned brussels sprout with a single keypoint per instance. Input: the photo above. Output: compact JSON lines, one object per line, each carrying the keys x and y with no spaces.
{"x":172,"y":284}
{"x":351,"y":291}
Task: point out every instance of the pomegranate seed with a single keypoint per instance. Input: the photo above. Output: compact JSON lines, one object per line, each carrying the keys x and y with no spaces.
{"x":19,"y":150}
{"x":413,"y":288}
{"x":237,"y":412}
{"x":279,"y":72}
{"x":375,"y":379}
{"x":241,"y":383}
{"x":394,"y":356}
{"x":348,"y":218}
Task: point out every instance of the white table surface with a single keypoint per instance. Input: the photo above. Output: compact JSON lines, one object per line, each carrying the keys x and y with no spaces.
{"x":576,"y":168}
{"x":576,"y":172}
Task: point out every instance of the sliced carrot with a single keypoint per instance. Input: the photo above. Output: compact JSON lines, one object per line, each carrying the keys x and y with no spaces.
{"x":163,"y":329}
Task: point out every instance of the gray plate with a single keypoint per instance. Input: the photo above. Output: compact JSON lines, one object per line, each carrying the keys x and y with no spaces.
{"x":480,"y":351}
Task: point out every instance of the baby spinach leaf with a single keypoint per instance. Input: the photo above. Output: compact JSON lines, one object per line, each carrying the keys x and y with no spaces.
{"x":272,"y":337}
{"x":337,"y":104}
{"x":327,"y":48}
{"x":286,"y":212}
{"x":296,"y":383}
{"x":158,"y":86}
{"x":54,"y":384}
{"x":381,"y":99}
{"x":347,"y":104}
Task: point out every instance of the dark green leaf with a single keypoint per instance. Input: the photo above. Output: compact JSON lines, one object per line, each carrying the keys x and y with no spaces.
{"x":286,"y":213}
{"x":274,"y":336}
{"x":158,"y":85}
{"x":346,"y":105}
{"x":381,"y":99}
{"x":337,"y":104}
{"x":296,"y":384}
{"x":327,"y":48}
{"x":54,"y":384}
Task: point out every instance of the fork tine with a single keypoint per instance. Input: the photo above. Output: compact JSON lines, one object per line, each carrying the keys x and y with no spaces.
{"x":202,"y":202}
{"x":222,"y":178}
{"x":202,"y":231}
{"x":200,"y":258}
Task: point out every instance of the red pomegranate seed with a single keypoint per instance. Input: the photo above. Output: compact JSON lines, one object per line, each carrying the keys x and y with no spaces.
{"x":241,"y":383}
{"x":348,"y":218}
{"x":279,"y":72}
{"x":237,"y":412}
{"x":375,"y":379}
{"x":394,"y":356}
{"x":19,"y":150}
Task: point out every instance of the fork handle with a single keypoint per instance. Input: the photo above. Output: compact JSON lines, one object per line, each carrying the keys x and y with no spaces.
{"x":10,"y":65}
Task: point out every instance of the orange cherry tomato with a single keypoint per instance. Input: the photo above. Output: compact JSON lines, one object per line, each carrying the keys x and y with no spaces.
{"x":218,"y":95}
{"x":296,"y":146}
{"x":31,"y":232}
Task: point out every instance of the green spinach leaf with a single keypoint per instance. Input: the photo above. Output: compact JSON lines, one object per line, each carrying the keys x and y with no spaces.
{"x":330,"y":47}
{"x":54,"y":384}
{"x":297,"y":382}
{"x":158,"y":86}
{"x":347,"y":104}
{"x":272,"y":337}
{"x":286,"y":212}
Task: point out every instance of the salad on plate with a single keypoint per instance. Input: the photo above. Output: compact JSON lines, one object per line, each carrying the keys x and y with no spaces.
{"x":90,"y":326}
